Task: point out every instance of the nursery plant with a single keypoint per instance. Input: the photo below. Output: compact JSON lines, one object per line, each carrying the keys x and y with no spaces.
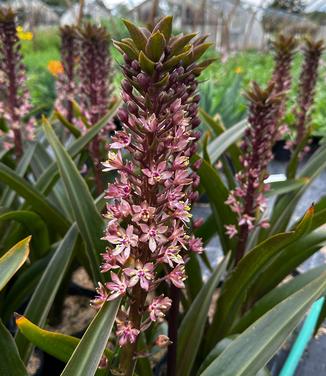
{"x":154,"y":311}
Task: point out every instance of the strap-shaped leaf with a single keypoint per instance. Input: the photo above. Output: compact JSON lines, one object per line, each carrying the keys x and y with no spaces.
{"x":87,"y":217}
{"x":88,"y":353}
{"x":193,"y":325}
{"x":11,"y":261}
{"x":249,"y":352}
{"x":10,"y":362}
{"x":59,"y":345}
{"x":66,"y":123}
{"x":24,"y":286}
{"x":217,"y":194}
{"x":216,"y":125}
{"x":49,"y":177}
{"x":244,"y":277}
{"x":40,"y":162}
{"x":217,"y":147}
{"x":45,"y":292}
{"x":286,"y":261}
{"x":217,"y":351}
{"x":194,"y":282}
{"x":277,"y":295}
{"x":8,"y":195}
{"x":286,"y":204}
{"x":35,"y":225}
{"x":33,"y":197}
{"x":286,"y":186}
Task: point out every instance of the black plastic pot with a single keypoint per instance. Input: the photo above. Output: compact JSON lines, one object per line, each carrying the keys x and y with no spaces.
{"x":280,"y":152}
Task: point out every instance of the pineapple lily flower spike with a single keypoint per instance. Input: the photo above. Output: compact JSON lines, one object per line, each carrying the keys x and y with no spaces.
{"x":66,"y":81}
{"x":15,"y":102}
{"x":248,"y":200}
{"x":284,"y":51}
{"x":307,"y":84}
{"x":149,"y":203}
{"x":95,"y":91}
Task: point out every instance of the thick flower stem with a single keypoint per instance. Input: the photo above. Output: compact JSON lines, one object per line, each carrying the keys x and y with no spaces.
{"x":18,"y":143}
{"x":96,"y":156}
{"x":173,"y":331}
{"x":127,"y":359}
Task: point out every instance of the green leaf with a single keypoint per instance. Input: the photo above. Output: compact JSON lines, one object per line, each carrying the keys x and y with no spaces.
{"x":206,"y":231}
{"x":88,"y":353}
{"x":24,"y":286}
{"x":42,"y":299}
{"x":251,"y":350}
{"x":10,"y":362}
{"x":48,"y":178}
{"x":286,"y":261}
{"x":319,"y":217}
{"x":155,"y":46}
{"x":244,"y":277}
{"x":276,"y":296}
{"x":33,"y":197}
{"x":146,"y":64}
{"x":194,"y":282}
{"x":216,"y":352}
{"x":136,"y":34}
{"x":143,"y":365}
{"x":205,"y":138}
{"x":88,"y":219}
{"x":57,"y":196}
{"x":286,"y":186}
{"x":35,"y":225}
{"x":12,"y":260}
{"x":292,"y":167}
{"x":8,"y":194}
{"x":214,"y":123}
{"x":217,"y":147}
{"x":65,"y":122}
{"x":164,"y":25}
{"x":61,"y":346}
{"x":193,"y":325}
{"x":284,"y":207}
{"x":223,"y":215}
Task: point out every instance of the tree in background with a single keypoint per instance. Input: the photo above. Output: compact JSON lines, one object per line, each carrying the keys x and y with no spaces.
{"x":291,"y":6}
{"x":287,"y":15}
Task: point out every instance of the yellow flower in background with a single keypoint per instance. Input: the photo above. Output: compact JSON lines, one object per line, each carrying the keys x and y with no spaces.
{"x":55,"y":67}
{"x":238,"y":70}
{"x":24,"y":35}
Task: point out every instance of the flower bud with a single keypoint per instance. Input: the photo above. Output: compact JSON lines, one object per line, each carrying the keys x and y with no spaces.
{"x":162,"y":341}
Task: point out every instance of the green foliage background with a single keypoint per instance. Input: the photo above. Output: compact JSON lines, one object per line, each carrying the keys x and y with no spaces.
{"x":221,"y":87}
